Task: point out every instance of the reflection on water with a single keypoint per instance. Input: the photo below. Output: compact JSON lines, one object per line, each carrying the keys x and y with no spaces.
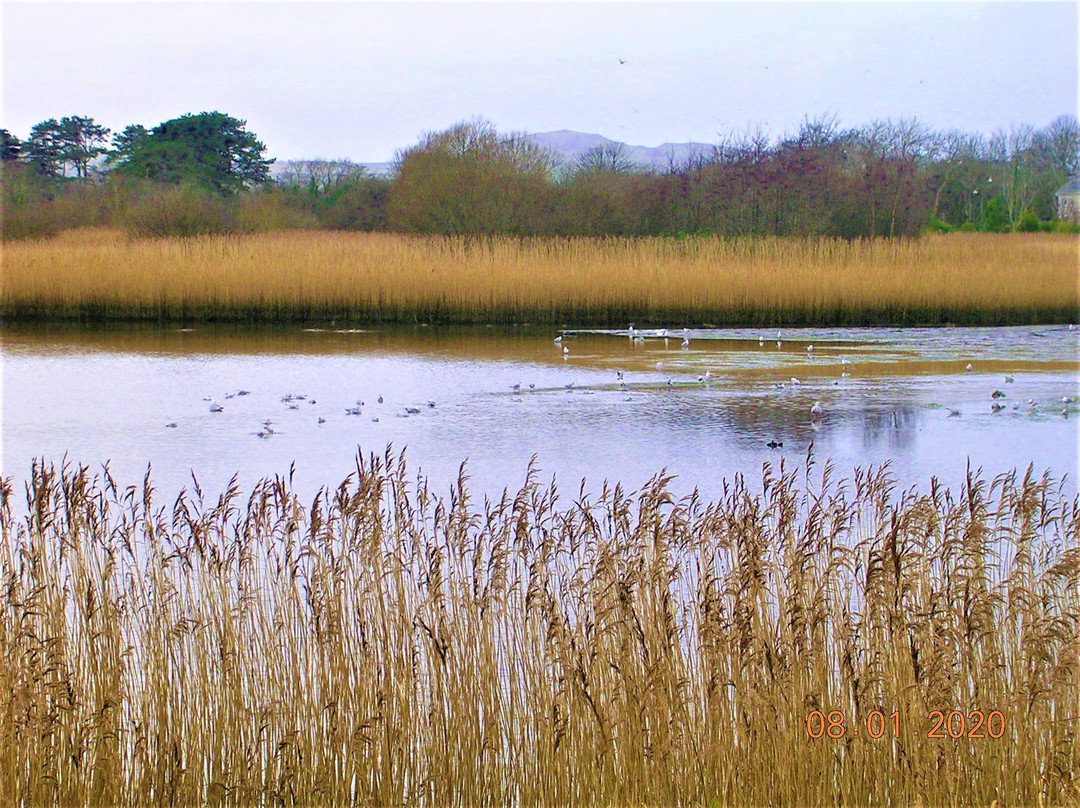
{"x":617,"y":405}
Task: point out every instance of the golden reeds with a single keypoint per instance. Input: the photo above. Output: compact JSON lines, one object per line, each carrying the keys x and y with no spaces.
{"x":304,"y":275}
{"x":383,"y":645}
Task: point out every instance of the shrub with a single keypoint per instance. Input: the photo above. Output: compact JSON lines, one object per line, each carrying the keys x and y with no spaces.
{"x":182,"y":212}
{"x":1029,"y":223}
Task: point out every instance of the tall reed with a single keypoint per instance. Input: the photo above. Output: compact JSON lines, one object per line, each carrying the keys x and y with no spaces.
{"x":384,"y":645}
{"x":308,"y":276}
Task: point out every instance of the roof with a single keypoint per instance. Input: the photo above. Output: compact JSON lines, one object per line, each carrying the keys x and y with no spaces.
{"x":1070,"y":188}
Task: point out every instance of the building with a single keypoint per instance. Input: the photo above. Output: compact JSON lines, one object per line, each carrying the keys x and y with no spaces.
{"x":1068,"y":201}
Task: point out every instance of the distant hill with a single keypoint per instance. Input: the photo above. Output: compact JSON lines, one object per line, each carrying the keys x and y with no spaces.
{"x":569,"y":146}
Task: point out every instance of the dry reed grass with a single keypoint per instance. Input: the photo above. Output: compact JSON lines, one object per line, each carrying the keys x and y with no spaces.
{"x":304,"y":275}
{"x":384,"y":646}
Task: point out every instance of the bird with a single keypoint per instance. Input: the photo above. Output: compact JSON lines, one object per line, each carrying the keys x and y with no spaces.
{"x":816,"y":411}
{"x":809,"y":348}
{"x":322,"y":420}
{"x":622,"y":61}
{"x":775,"y":444}
{"x":619,"y":374}
{"x":996,"y":407}
{"x":215,"y":407}
{"x":954,"y":413}
{"x":380,"y":399}
{"x":1009,"y":380}
{"x":565,"y":350}
{"x":795,"y":381}
{"x":171,"y":425}
{"x":968,"y":368}
{"x":760,"y":341}
{"x":997,"y":394}
{"x":558,"y":340}
{"x":686,"y":343}
{"x":412,"y":410}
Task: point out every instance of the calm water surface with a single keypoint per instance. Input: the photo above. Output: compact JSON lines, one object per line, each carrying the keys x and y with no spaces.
{"x":497,"y":397}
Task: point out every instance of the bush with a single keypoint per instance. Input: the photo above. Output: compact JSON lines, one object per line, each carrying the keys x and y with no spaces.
{"x":1067,"y":227}
{"x":261,"y":211}
{"x":182,"y":212}
{"x":34,"y":220}
{"x":934,"y":225}
{"x":1029,"y":223}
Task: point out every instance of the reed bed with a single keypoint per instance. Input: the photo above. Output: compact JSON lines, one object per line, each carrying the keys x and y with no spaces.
{"x":305,"y":276}
{"x":386,"y":646}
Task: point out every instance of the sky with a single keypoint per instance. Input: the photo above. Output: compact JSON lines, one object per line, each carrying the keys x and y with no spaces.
{"x":360,"y":80}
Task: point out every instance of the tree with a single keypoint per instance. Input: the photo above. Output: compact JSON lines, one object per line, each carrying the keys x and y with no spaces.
{"x":10,"y":146}
{"x":611,"y":158}
{"x":471,"y":180}
{"x":72,"y":143}
{"x":126,"y":143}
{"x":44,"y":150}
{"x":210,"y":149}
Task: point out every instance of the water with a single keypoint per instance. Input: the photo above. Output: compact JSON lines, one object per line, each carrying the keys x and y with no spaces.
{"x":111,"y":396}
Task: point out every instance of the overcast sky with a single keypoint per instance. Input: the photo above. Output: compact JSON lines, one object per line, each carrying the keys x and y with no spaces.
{"x":359,"y":80}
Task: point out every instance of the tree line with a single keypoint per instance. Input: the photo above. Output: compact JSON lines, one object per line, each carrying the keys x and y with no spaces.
{"x":206,"y":173}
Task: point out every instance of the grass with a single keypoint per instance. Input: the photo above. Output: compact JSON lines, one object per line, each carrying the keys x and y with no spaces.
{"x":306,"y":276}
{"x":385,"y":646}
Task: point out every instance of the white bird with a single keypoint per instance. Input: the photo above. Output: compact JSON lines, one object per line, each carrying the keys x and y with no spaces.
{"x":215,"y":407}
{"x":809,"y":348}
{"x":968,"y":368}
{"x":558,"y":340}
{"x":685,"y":343}
{"x":761,"y":341}
{"x":795,"y":381}
{"x":816,"y":411}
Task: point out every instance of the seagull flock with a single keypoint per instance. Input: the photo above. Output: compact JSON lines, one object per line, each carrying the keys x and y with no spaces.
{"x":817,"y":411}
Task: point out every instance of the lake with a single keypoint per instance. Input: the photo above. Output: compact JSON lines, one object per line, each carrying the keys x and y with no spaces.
{"x":215,"y":402}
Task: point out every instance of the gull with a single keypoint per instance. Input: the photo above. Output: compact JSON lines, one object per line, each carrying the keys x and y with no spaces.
{"x":954,"y":413}
{"x":968,"y":368}
{"x":619,"y":374}
{"x":761,"y":341}
{"x":795,"y":381}
{"x":816,"y":411}
{"x":215,"y":407}
{"x":809,"y":348}
{"x":412,"y":410}
{"x":845,"y":374}
{"x":558,"y":340}
{"x":686,"y":343}
{"x":565,"y":351}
